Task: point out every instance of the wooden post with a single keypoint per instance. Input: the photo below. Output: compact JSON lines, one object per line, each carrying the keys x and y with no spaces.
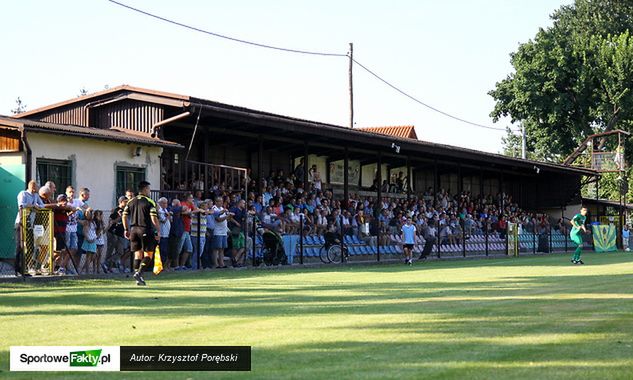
{"x":436,"y":178}
{"x":346,"y":179}
{"x":378,"y":207}
{"x":305,"y":167}
{"x":260,"y":165}
{"x":408,"y":178}
{"x":460,"y":179}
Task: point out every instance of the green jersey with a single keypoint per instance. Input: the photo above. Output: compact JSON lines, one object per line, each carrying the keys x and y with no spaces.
{"x":578,"y":220}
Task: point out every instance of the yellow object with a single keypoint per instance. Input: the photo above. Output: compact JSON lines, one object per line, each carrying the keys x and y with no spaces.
{"x":158,"y":263}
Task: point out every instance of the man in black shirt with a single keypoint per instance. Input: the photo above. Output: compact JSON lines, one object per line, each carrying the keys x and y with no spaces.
{"x":140,"y":221}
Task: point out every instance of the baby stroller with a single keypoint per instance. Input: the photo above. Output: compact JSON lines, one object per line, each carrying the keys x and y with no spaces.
{"x":273,"y":251}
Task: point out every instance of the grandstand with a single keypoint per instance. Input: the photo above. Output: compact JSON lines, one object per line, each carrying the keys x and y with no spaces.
{"x":220,"y":149}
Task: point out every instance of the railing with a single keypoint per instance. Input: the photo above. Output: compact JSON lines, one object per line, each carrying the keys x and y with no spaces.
{"x":299,"y":241}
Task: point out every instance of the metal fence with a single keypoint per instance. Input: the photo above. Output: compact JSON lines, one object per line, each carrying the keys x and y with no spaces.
{"x":259,"y":243}
{"x":37,"y":239}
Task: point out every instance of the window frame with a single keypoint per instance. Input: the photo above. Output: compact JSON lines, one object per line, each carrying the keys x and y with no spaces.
{"x":127,"y":170}
{"x":60,"y":181}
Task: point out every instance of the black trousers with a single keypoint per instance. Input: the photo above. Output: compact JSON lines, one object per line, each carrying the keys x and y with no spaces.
{"x":428,"y":246}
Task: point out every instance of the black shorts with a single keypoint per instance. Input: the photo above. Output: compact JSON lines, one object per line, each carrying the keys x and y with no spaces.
{"x":408,"y":246}
{"x":142,"y":239}
{"x":60,"y":242}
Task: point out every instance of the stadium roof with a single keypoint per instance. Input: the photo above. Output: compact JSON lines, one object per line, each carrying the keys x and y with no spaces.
{"x":113,"y":134}
{"x":281,"y":126}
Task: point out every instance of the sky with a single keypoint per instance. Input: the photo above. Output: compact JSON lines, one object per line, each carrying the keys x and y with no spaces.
{"x":448,"y":54}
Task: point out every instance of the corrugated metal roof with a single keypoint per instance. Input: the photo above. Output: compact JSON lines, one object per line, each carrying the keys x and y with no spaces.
{"x":97,"y":94}
{"x":256,"y":115}
{"x":112,"y":134}
{"x":403,"y":131}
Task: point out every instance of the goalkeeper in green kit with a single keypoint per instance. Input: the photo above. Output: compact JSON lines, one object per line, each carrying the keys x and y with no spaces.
{"x":577,"y":229}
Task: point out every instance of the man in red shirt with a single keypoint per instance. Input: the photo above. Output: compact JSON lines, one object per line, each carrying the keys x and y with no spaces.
{"x":188,"y":207}
{"x":60,"y":218}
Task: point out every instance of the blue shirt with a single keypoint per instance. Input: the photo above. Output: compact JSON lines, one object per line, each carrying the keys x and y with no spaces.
{"x":408,"y":232}
{"x":27,"y":199}
{"x":258,"y":207}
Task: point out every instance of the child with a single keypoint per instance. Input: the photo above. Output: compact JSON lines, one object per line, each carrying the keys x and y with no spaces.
{"x":98,"y":264}
{"x":239,"y":247}
{"x":60,"y":216}
{"x":89,"y":244}
{"x":626,"y":233}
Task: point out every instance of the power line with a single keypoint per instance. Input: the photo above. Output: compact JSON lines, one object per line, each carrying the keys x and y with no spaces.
{"x":226,"y":37}
{"x":326,"y":54}
{"x":421,"y":102}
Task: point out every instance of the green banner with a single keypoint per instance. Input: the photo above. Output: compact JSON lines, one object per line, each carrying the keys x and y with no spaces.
{"x":604,"y":238}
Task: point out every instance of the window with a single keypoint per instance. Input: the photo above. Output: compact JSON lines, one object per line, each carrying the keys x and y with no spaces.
{"x":128,"y":178}
{"x":58,"y":171}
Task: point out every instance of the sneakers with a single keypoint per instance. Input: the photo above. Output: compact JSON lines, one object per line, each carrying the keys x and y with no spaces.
{"x":580,"y":262}
{"x":573,"y":261}
{"x":105,"y":268}
{"x":139,"y":279}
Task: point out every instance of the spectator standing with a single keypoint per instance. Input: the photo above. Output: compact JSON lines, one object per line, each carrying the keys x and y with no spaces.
{"x":89,"y":243}
{"x":198,"y":234}
{"x":60,"y":216}
{"x":164,"y":218}
{"x":27,"y":199}
{"x":175,"y":235}
{"x":117,"y":243}
{"x":220,"y":232}
{"x":238,"y":247}
{"x":185,"y":244}
{"x":98,"y":263}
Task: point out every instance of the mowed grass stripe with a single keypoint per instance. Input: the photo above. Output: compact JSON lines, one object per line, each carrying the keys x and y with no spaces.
{"x":531,"y":317}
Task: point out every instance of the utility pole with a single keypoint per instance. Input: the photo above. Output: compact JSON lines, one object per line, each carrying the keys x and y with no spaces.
{"x":351,"y":86}
{"x":523,"y":142}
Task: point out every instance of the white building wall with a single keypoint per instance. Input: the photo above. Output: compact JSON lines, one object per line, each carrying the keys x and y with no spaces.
{"x":94,"y":163}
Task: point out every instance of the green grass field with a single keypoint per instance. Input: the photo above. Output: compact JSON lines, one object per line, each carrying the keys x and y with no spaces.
{"x":526,"y":318}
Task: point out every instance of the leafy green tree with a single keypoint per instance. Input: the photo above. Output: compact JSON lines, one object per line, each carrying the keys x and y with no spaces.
{"x":573,"y":79}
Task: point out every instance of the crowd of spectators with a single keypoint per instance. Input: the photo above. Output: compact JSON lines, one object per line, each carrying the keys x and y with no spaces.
{"x":284,"y":206}
{"x":78,"y":230}
{"x":202,"y":230}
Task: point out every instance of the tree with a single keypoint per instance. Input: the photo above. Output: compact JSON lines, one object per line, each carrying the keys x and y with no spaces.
{"x":511,"y":143}
{"x":19,"y":106}
{"x":574,"y":79}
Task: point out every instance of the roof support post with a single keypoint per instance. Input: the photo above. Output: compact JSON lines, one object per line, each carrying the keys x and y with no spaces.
{"x":346,"y":179}
{"x":305,"y":168}
{"x":260,"y":164}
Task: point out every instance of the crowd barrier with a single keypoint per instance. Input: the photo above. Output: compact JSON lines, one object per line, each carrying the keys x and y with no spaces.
{"x":305,"y":246}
